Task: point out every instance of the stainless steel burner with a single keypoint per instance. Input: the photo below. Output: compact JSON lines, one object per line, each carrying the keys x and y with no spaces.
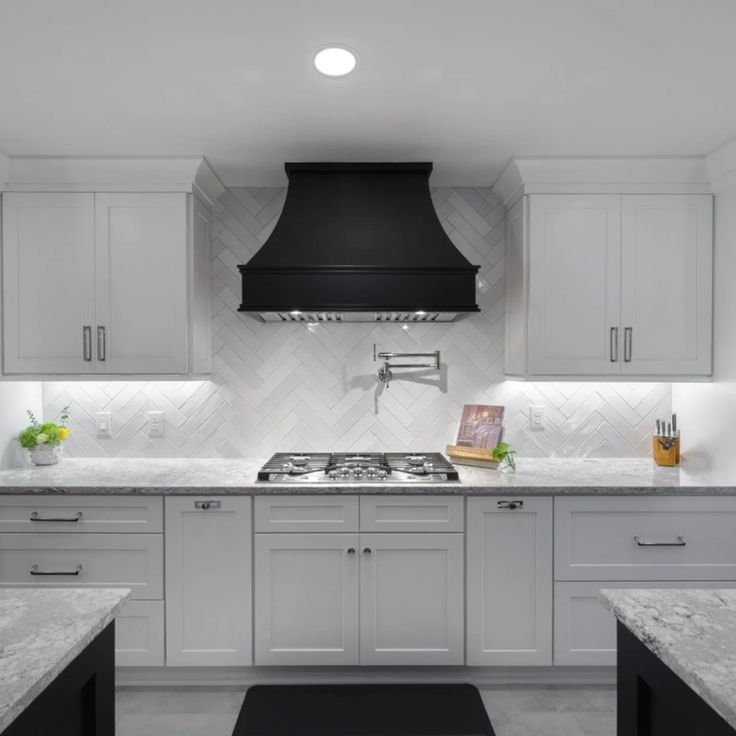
{"x":368,"y":467}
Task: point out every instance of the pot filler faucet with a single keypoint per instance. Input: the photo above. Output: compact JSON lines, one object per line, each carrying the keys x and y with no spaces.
{"x":384,"y":372}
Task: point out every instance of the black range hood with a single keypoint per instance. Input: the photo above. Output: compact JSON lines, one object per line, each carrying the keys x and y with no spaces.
{"x":358,"y":242}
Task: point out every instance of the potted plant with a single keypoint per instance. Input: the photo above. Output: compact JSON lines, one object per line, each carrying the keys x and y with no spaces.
{"x":42,"y":440}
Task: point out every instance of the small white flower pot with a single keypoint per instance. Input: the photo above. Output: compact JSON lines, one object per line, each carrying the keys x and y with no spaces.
{"x":45,"y":454}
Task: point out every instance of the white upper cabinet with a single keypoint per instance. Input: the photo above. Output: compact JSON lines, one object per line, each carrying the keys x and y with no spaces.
{"x":609,"y":286}
{"x":104,"y":284}
{"x":48,"y":282}
{"x":574,"y":283}
{"x":141,"y":284}
{"x":667,"y":272}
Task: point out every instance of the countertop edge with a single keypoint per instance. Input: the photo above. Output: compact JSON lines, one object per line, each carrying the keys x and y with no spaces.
{"x":369,"y":490}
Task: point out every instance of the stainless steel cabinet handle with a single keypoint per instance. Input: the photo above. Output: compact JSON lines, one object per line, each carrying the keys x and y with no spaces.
{"x":351,"y":551}
{"x":679,"y":542}
{"x":628,"y":343}
{"x":35,"y":517}
{"x":206,"y":505}
{"x":367,"y":551}
{"x":510,"y":505}
{"x":101,"y":343}
{"x":35,"y":571}
{"x":614,"y":344}
{"x":87,"y":342}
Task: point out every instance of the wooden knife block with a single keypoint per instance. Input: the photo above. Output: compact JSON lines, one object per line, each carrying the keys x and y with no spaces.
{"x":669,"y":457}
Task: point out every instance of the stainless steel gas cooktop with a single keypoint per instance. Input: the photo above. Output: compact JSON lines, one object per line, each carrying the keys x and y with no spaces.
{"x":358,"y":467}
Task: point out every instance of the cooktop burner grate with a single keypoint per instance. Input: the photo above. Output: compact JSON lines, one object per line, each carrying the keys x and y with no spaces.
{"x":352,"y":467}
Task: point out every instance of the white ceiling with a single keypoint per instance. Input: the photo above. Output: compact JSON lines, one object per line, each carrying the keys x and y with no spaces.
{"x":463,"y":83}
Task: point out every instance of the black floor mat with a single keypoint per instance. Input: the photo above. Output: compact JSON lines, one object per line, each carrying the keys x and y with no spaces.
{"x":363,"y":710}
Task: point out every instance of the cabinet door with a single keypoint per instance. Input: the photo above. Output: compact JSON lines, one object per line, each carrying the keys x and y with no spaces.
{"x":306,"y":599}
{"x":585,"y":630}
{"x":574,"y":284}
{"x":208,"y":581}
{"x":48,"y":280}
{"x":411,"y":599}
{"x":667,"y":275}
{"x":142,"y":277}
{"x":509,"y":595}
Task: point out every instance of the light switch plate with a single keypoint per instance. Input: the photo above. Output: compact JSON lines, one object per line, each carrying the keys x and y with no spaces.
{"x":155,"y":424}
{"x":103,"y":422}
{"x":536,"y":416}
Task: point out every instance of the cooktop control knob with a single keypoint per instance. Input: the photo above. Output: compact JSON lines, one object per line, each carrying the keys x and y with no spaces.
{"x":358,"y":473}
{"x":332,"y":474}
{"x":370,"y":472}
{"x":345,"y":472}
{"x":382,"y":474}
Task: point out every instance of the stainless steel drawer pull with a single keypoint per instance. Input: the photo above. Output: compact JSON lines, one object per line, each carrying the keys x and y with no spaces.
{"x":614,"y":344}
{"x":206,"y":505}
{"x":36,"y":571}
{"x":367,"y":551}
{"x":87,"y":342}
{"x":679,"y":542}
{"x":35,"y":517}
{"x":628,"y":343}
{"x":101,"y":343}
{"x":510,"y":505}
{"x":351,"y":551}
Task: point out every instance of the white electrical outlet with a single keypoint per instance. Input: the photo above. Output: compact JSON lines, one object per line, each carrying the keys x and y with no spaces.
{"x":155,"y":424}
{"x":536,"y":416}
{"x":103,"y":422}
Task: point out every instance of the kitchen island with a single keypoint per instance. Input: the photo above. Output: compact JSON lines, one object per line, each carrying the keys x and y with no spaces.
{"x":676,"y":661}
{"x":56,"y":660}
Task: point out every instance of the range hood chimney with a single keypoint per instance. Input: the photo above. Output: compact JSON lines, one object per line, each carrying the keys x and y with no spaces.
{"x":358,"y":242}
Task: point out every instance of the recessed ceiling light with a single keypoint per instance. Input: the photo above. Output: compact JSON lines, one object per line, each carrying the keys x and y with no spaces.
{"x":335,"y":61}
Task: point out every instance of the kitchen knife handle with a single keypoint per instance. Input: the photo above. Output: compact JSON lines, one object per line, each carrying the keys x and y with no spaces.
{"x":614,"y":344}
{"x":628,"y":343}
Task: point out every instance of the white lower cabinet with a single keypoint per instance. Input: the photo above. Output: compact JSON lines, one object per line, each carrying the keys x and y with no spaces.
{"x":509,"y":581}
{"x":139,"y":634}
{"x":208,"y":580}
{"x":306,"y":599}
{"x":360,"y":598}
{"x":411,"y":599}
{"x":585,"y":631}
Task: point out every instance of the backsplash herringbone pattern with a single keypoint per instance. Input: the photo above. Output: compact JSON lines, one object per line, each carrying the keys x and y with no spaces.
{"x":309,"y":387}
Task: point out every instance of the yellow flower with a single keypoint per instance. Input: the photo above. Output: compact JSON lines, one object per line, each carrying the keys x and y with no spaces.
{"x":63,"y":432}
{"x":41,"y":437}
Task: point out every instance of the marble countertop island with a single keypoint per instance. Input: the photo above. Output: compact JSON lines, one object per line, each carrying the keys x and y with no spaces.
{"x":692,"y":631}
{"x":558,"y":476}
{"x":41,"y":632}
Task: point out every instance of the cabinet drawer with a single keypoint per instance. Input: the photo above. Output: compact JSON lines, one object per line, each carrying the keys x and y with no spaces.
{"x":411,"y":513}
{"x":306,"y":514}
{"x":584,"y":630}
{"x":130,"y":514}
{"x":132,"y":561}
{"x":139,"y":634}
{"x":645,"y":538}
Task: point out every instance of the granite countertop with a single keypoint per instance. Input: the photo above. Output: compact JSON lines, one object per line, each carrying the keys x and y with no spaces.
{"x":692,"y":631}
{"x":41,"y":632}
{"x":615,"y":476}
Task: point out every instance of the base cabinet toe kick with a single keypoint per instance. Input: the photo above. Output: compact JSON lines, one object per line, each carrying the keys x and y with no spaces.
{"x":304,"y":580}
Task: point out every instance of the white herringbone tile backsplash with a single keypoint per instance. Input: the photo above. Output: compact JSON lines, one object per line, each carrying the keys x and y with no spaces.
{"x":298,"y":387}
